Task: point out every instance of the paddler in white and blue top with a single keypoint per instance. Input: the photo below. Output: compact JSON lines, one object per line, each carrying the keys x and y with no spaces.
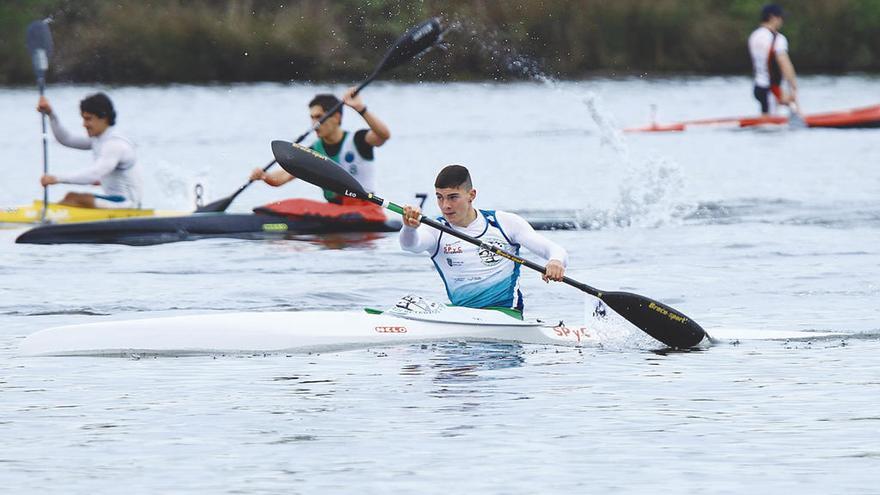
{"x":115,"y":167}
{"x":477,"y":278}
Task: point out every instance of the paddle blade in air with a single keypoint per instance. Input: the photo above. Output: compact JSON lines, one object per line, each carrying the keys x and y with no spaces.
{"x":658,"y":320}
{"x":216,"y":206}
{"x":415,"y":41}
{"x":39,"y":43}
{"x":314,"y":168}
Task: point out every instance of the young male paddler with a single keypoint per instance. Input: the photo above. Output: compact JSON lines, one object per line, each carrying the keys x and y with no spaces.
{"x":474,"y":277}
{"x":352,"y":151}
{"x":115,"y":166}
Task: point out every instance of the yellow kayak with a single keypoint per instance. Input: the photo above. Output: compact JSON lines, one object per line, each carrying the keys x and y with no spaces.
{"x":56,"y":213}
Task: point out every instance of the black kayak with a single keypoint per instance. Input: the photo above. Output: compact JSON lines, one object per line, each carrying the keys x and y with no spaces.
{"x":161,"y":230}
{"x":148,"y":231}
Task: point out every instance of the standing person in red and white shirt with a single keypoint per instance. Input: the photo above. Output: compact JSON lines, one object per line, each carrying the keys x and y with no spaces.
{"x":772,"y":65}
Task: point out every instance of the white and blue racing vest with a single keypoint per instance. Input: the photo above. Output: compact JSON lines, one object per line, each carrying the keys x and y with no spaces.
{"x":476,"y":277}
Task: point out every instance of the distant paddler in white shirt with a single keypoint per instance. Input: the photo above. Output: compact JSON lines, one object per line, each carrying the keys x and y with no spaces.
{"x":115,"y":166}
{"x":474,"y":277}
{"x":353,"y":151}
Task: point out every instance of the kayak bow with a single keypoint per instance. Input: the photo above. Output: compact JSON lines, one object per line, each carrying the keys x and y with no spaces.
{"x":57,"y":213}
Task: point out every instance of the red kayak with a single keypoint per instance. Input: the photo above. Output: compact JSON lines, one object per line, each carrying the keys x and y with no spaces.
{"x":858,"y":118}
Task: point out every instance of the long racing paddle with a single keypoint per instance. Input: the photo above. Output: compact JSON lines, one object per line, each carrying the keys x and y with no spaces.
{"x":658,"y":320}
{"x":39,"y":43}
{"x":413,"y":43}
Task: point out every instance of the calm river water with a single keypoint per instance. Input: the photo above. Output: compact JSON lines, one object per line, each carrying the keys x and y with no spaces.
{"x":746,"y":231}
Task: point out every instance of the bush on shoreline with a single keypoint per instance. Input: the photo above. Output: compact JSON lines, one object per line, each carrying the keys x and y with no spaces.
{"x":168,"y":41}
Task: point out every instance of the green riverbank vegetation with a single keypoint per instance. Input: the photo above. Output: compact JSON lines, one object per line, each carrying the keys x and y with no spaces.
{"x":198,"y":41}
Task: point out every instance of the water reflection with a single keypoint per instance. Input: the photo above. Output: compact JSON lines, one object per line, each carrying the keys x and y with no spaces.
{"x":462,"y":362}
{"x":348,"y":240}
{"x":306,"y":387}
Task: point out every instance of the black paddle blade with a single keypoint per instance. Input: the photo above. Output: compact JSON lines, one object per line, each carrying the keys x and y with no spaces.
{"x":314,"y":168}
{"x":218,"y":206}
{"x":415,"y":41}
{"x":39,"y":43}
{"x":656,"y":319}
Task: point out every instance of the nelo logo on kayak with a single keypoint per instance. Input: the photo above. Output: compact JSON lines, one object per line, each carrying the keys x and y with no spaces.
{"x":390,"y":329}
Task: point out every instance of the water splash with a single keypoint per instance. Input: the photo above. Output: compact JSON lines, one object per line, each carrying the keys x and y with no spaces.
{"x":649,"y":197}
{"x":609,"y":132}
{"x":177,"y":187}
{"x":650,"y":188}
{"x":611,"y":331}
{"x":500,"y":51}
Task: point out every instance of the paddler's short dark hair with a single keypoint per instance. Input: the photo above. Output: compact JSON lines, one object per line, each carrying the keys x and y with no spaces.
{"x":771,"y":10}
{"x":454,"y":176}
{"x":99,"y":104}
{"x":326,"y":101}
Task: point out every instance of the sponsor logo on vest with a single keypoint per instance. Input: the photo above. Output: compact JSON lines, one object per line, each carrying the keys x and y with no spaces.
{"x":454,"y":248}
{"x":490,"y":258}
{"x":391,"y":329}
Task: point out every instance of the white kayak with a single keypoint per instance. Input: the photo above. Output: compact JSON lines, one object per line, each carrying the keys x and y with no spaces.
{"x":413,"y":320}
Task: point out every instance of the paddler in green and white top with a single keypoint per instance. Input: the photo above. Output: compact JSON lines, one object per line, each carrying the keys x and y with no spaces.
{"x":474,"y":277}
{"x":352,"y":151}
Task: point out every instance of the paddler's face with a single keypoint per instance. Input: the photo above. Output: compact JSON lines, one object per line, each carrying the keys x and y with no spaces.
{"x":776,"y":21}
{"x":329,"y":126}
{"x":95,"y":126}
{"x":456,"y":203}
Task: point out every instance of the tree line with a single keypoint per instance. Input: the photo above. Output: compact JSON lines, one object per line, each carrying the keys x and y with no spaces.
{"x":199,"y":41}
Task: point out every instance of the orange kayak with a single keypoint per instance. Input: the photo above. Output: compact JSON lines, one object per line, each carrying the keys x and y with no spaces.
{"x":858,"y":118}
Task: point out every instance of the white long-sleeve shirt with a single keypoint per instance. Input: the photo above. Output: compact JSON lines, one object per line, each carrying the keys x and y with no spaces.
{"x":475,"y":277}
{"x":115,"y":165}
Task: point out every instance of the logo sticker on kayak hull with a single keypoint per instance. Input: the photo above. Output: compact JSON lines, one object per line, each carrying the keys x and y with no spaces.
{"x":576,"y":334}
{"x":274,"y":227}
{"x":390,"y":329}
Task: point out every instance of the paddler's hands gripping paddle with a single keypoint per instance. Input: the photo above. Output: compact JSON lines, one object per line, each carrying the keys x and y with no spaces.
{"x":658,"y":320}
{"x":39,"y":43}
{"x":413,"y":43}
